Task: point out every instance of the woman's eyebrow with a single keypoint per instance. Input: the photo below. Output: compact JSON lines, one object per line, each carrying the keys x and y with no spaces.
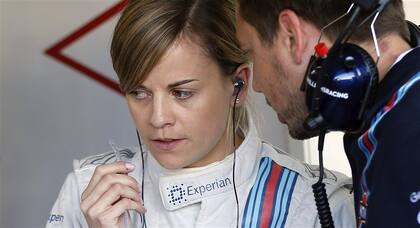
{"x":183,"y":82}
{"x":142,"y":87}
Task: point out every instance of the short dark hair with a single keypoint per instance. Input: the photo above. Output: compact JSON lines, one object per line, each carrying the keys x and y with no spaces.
{"x":263,"y":16}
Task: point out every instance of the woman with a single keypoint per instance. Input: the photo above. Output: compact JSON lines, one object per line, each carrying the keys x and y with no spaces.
{"x":202,"y":163}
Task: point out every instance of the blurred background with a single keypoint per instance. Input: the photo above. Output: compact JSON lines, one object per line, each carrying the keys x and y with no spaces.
{"x":58,"y":101}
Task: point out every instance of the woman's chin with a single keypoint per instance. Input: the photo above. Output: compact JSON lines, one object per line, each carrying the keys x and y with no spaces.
{"x":170,"y":162}
{"x":171,"y":166}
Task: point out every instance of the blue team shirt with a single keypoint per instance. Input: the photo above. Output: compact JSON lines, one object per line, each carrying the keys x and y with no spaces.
{"x":385,"y":155}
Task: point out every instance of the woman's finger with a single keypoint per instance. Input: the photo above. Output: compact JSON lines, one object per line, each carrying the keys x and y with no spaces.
{"x":103,"y":170}
{"x":114,"y":194}
{"x":105,"y":184}
{"x":116,"y":212}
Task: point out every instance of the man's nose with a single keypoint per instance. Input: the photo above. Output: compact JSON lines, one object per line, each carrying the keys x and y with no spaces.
{"x":162,"y":114}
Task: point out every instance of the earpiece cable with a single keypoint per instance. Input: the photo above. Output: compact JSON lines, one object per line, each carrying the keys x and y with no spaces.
{"x":142,"y":216}
{"x":234,"y":159}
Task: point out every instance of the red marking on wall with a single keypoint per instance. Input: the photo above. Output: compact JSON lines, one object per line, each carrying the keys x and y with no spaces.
{"x":55,"y":51}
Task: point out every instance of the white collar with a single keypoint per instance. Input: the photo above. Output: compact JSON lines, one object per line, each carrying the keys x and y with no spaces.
{"x":182,"y":187}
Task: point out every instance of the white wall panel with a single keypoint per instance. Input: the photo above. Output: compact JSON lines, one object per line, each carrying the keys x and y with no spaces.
{"x":51,"y":114}
{"x":1,"y":116}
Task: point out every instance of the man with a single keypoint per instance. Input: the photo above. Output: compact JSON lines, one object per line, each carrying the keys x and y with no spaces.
{"x":280,"y":36}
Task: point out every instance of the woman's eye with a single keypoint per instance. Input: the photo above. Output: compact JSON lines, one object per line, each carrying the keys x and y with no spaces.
{"x":182,"y":94}
{"x":140,"y":94}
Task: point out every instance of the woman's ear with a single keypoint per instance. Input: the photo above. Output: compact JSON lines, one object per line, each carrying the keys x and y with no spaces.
{"x":241,"y":82}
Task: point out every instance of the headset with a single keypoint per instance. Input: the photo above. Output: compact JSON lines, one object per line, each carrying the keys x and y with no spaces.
{"x":339,"y":85}
{"x":340,"y":82}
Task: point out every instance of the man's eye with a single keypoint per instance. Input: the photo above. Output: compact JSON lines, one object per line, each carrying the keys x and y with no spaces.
{"x":182,"y":94}
{"x":140,"y":94}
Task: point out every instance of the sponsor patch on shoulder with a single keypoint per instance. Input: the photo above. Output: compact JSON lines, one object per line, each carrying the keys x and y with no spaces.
{"x":56,"y":218}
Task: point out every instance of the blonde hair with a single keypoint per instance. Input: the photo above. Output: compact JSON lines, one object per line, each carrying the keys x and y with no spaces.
{"x":147,"y":28}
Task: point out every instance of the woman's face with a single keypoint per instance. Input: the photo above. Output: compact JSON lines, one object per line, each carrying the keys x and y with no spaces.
{"x":182,"y":108}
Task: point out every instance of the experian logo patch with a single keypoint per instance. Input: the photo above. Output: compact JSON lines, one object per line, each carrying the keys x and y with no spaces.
{"x":178,"y":194}
{"x":202,"y":189}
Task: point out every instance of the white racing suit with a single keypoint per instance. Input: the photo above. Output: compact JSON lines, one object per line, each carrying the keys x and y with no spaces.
{"x":274,"y":190}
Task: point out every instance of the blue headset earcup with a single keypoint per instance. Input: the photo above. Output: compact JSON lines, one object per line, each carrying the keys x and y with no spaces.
{"x":351,"y":79}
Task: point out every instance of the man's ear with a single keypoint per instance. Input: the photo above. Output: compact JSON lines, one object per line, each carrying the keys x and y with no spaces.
{"x":243,"y":72}
{"x":290,"y":34}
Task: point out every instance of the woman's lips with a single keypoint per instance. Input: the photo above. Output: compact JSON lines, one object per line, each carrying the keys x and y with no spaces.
{"x":166,"y":144}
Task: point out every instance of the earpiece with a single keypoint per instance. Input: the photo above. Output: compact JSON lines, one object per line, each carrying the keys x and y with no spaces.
{"x":238,"y":84}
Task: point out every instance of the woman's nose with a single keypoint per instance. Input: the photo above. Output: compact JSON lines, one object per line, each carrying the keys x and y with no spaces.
{"x":162,"y":114}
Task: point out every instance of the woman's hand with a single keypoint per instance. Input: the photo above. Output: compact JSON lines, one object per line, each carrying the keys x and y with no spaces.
{"x":109,"y":194}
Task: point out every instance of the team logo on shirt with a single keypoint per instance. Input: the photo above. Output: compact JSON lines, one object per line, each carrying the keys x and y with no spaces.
{"x":176,"y":194}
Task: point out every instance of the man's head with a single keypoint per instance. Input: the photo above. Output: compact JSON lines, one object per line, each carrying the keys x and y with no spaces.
{"x":280,"y":36}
